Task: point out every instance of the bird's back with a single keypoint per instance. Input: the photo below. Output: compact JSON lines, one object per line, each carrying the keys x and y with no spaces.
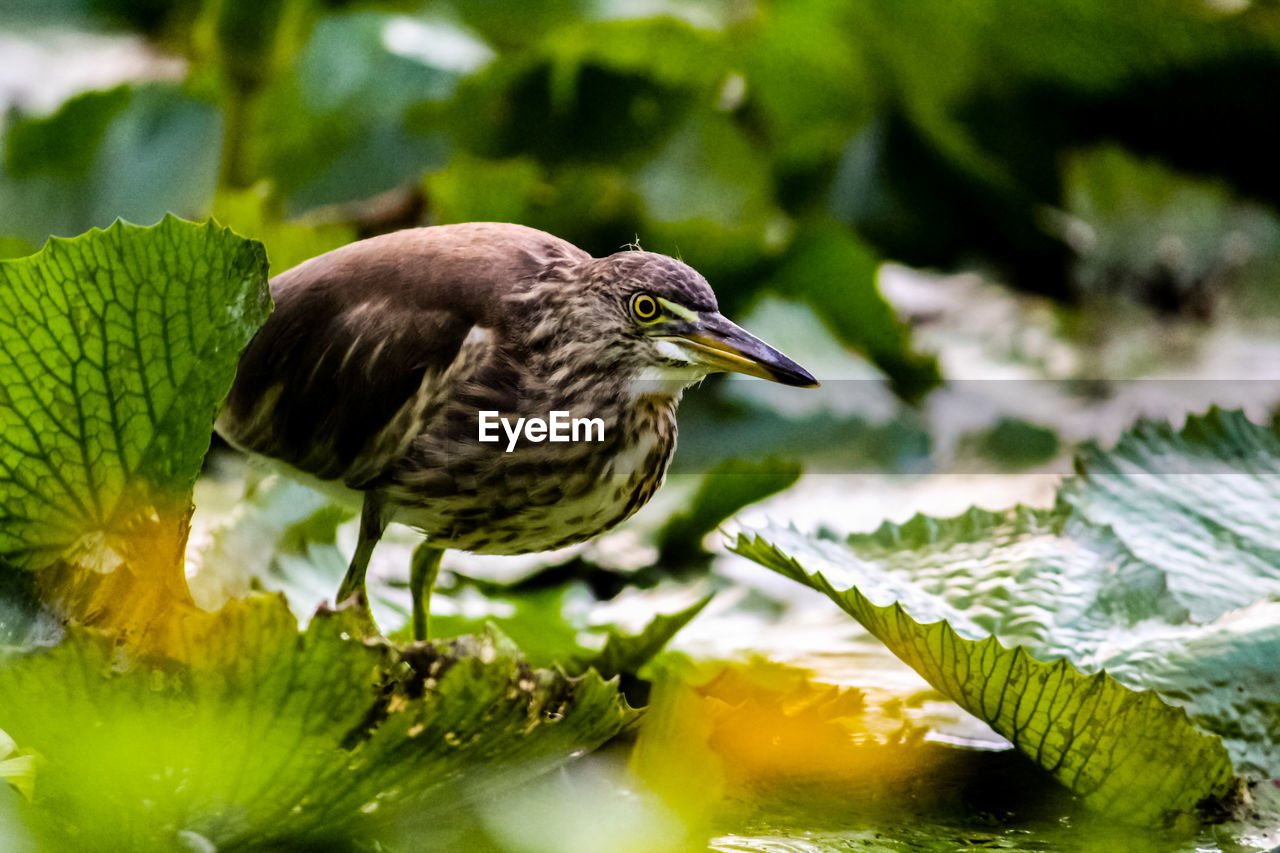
{"x":355,"y":332}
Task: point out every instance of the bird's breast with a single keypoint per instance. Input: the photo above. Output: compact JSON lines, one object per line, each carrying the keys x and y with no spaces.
{"x":503,"y":498}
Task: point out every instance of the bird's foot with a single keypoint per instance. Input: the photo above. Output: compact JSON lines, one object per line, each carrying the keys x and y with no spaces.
{"x":357,"y":603}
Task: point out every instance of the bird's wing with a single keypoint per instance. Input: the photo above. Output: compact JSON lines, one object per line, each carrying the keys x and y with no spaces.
{"x":360,"y":333}
{"x":316,"y":386}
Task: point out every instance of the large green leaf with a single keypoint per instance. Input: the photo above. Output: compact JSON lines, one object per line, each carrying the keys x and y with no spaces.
{"x":1156,"y":566}
{"x":1124,"y":753}
{"x":116,"y":348}
{"x":1201,"y":504}
{"x":273,"y":738}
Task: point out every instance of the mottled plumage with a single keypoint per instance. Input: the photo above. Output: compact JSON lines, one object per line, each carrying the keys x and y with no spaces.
{"x":371,"y":371}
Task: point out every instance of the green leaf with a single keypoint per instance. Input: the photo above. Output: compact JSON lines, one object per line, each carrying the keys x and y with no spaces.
{"x":1157,"y":565}
{"x":1135,"y":210}
{"x":1126,"y":754}
{"x":134,"y":152}
{"x":625,"y":654}
{"x":587,"y":204}
{"x":727,"y":488}
{"x":1011,"y":444}
{"x":707,"y":170}
{"x":829,"y":268}
{"x":1201,"y":504}
{"x":272,"y":738}
{"x":16,"y":768}
{"x":809,"y":82}
{"x":116,"y":349}
{"x":339,"y":125}
{"x":605,"y":92}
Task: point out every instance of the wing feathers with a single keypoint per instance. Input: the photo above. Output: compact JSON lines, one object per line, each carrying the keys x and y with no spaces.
{"x":359,"y":348}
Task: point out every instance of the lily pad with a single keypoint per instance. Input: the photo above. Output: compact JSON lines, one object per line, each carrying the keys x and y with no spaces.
{"x":1123,"y":752}
{"x":1153,"y":566}
{"x":116,"y":348}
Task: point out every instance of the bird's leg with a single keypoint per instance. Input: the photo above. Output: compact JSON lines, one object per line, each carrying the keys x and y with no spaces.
{"x":423,"y":572}
{"x":372,"y":524}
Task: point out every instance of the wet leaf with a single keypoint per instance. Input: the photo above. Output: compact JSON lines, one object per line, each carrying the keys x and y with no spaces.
{"x":1125,"y":753}
{"x":1156,"y":566}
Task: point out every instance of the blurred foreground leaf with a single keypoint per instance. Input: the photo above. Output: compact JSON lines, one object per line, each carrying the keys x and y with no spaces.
{"x":1156,"y":566}
{"x":17,"y":769}
{"x":734,"y":743}
{"x":713,"y":732}
{"x":267,"y":737}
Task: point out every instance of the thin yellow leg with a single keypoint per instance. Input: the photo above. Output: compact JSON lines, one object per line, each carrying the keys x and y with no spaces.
{"x":371,"y":528}
{"x":423,"y":571}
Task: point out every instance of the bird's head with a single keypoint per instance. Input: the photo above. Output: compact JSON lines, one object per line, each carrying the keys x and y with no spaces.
{"x":661,"y":317}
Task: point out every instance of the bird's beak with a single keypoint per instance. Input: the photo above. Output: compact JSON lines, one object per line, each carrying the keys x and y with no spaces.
{"x":721,"y":345}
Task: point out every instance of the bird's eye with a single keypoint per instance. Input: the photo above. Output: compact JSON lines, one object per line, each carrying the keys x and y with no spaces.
{"x":644,"y":307}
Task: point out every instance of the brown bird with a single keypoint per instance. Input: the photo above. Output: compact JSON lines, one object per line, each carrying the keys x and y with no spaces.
{"x":386,"y":362}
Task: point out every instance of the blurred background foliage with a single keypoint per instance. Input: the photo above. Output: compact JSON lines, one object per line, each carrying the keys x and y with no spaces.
{"x":1073,"y":148}
{"x":1118,"y":159}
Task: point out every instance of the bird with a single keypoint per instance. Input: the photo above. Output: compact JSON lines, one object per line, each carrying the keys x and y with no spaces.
{"x":382,"y":363}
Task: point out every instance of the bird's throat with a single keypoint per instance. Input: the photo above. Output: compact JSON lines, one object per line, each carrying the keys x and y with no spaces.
{"x":668,"y":382}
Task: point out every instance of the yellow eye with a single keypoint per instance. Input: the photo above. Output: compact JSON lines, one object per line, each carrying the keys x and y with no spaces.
{"x":644,"y":307}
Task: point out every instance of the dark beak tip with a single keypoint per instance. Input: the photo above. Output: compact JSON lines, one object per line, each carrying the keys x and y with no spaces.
{"x":790,"y":373}
{"x":800,"y":379}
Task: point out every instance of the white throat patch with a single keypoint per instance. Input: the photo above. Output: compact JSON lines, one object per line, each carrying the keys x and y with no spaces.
{"x":668,"y":380}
